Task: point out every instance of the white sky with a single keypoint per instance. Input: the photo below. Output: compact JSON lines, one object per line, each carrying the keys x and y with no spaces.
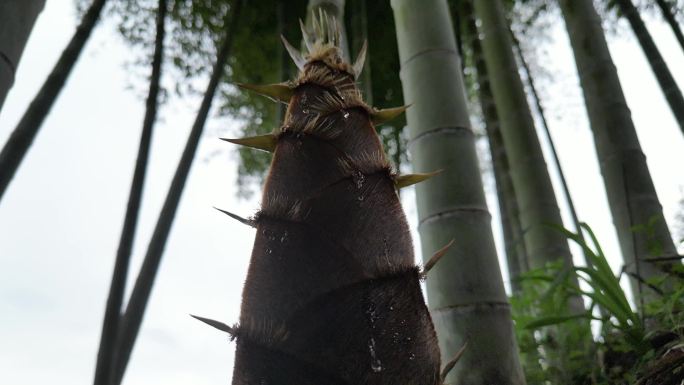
{"x":60,"y":218}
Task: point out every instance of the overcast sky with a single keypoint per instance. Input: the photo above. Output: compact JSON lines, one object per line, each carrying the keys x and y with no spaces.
{"x":60,"y":218}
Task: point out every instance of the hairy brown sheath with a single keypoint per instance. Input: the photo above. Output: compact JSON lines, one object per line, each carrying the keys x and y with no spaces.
{"x":332,"y":294}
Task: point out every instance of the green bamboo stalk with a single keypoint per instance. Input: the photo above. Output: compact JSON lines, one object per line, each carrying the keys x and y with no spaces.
{"x":19,"y":142}
{"x":547,"y":132}
{"x":110,"y":326}
{"x":16,"y":22}
{"x":516,"y":254}
{"x":465,"y":290}
{"x":631,"y":194}
{"x":135,"y":310}
{"x":533,"y":189}
{"x":667,"y":83}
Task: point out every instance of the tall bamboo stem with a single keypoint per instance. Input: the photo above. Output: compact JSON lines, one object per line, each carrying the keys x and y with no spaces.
{"x":135,"y":310}
{"x":465,"y":290}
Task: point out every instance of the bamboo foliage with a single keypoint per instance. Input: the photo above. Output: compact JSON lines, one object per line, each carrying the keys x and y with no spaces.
{"x":465,"y":290}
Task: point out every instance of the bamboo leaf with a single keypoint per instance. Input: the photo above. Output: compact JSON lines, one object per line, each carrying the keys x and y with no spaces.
{"x":553,"y":320}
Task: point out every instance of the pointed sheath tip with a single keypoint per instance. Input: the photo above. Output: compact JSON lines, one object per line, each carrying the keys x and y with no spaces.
{"x":262,"y":142}
{"x":279,"y":92}
{"x":436,"y":257}
{"x":296,"y":56}
{"x":238,"y":218}
{"x":401,"y":181}
{"x":379,"y":117}
{"x":360,"y":60}
{"x":216,"y":324}
{"x":450,"y":365}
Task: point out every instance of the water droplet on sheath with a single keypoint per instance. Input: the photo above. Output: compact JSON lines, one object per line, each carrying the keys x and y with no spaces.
{"x":358,"y":178}
{"x":376,"y":364}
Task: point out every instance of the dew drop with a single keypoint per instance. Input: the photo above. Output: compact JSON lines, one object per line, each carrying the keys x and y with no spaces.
{"x":283,"y":238}
{"x":376,"y":364}
{"x":412,"y":357}
{"x":345,"y":114}
{"x":358,"y":178}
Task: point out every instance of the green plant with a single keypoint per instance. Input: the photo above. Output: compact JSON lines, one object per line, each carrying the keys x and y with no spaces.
{"x":551,"y":352}
{"x":632,"y":348}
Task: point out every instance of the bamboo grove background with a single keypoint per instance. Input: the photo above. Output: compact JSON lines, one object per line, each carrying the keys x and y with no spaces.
{"x":493,"y":86}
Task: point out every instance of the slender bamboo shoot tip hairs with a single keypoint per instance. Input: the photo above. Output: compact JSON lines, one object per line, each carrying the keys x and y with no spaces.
{"x":379,"y":117}
{"x":261,"y":142}
{"x":436,"y":257}
{"x":248,"y":222}
{"x":401,"y":181}
{"x":322,"y":43}
{"x":309,"y":39}
{"x":231,"y":330}
{"x":450,"y":365}
{"x":279,"y":92}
